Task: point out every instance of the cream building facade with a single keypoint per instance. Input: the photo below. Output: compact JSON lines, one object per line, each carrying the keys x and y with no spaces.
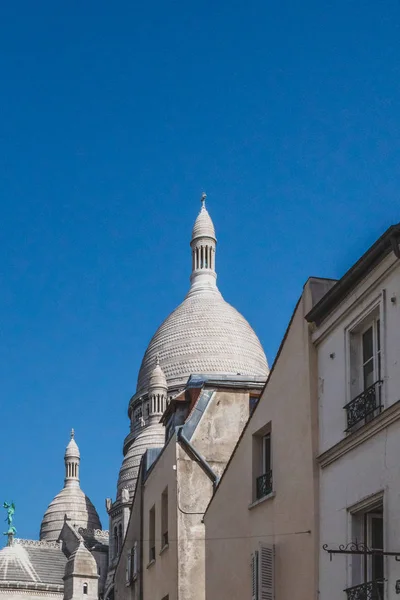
{"x":174,"y":492}
{"x":261,"y":525}
{"x":357,"y":341}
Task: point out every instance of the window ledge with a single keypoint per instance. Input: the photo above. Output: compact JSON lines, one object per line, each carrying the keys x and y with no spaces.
{"x":261,"y":500}
{"x":152,"y":562}
{"x":165,"y":547}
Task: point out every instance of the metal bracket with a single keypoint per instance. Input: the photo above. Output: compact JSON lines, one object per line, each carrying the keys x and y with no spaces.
{"x":358,"y":548}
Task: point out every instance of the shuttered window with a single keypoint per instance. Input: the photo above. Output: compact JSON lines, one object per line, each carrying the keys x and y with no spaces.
{"x":262,"y":573}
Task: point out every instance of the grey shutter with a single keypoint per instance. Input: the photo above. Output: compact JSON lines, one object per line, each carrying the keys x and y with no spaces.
{"x":266,"y":572}
{"x":135,"y":560}
{"x":128,"y":572}
{"x":254,"y":576}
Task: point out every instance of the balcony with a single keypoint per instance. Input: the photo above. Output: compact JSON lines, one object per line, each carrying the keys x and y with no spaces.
{"x":372,"y":590}
{"x":264,"y":485}
{"x":365,"y":406}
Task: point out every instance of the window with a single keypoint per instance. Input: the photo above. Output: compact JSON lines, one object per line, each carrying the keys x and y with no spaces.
{"x":368,"y":569}
{"x":262,"y":573}
{"x":262,"y":463}
{"x":116,"y":545}
{"x":253,"y":400}
{"x":164,"y":518}
{"x":119,"y":538}
{"x":365,"y":372}
{"x":85,"y":588}
{"x":131,"y":564}
{"x":152,"y":534}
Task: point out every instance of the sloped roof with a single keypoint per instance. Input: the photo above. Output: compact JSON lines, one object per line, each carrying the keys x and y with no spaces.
{"x":32,"y":562}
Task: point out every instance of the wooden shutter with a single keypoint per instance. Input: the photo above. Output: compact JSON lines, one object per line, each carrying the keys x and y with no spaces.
{"x":254,"y":576}
{"x":266,"y":572}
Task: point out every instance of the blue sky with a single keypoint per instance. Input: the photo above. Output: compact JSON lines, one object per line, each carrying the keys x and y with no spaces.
{"x":114,"y":118}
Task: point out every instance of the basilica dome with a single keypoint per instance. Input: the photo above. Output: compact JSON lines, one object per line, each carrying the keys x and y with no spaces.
{"x":71,"y":502}
{"x":204,"y":334}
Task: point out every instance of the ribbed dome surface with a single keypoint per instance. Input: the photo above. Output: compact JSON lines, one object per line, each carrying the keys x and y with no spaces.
{"x":204,"y":334}
{"x":203,"y":226}
{"x":71,"y":501}
{"x":151,"y":437}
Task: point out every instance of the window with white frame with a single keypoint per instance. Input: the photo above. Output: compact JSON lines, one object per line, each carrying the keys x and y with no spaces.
{"x":367,"y":568}
{"x":365,"y":351}
{"x":262,"y":573}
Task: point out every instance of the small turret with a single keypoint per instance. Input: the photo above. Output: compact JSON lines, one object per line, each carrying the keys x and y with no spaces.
{"x":72,"y":459}
{"x":203,"y":244}
{"x":81,"y":579}
{"x":157,"y":390}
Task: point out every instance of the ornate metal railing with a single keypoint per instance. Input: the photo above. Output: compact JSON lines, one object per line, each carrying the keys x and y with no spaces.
{"x":365,"y":406}
{"x":264,"y":485}
{"x":372,"y":590}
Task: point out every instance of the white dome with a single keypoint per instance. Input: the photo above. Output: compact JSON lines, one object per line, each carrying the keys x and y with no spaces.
{"x":204,"y":334}
{"x":73,"y":502}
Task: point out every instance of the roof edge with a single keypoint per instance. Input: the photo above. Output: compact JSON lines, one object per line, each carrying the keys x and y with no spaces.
{"x":368,"y":261}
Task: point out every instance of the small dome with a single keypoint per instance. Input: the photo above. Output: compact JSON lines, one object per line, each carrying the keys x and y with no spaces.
{"x":81,"y":562}
{"x":73,"y":502}
{"x":157,"y":377}
{"x":203,"y":226}
{"x":72,"y":450}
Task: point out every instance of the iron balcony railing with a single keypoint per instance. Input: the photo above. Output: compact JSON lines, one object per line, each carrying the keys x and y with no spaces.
{"x":372,"y":590}
{"x":365,"y":406}
{"x":264,"y":485}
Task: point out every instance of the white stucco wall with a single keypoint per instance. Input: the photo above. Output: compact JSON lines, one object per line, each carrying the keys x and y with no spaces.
{"x":364,"y":462}
{"x":330,"y":338}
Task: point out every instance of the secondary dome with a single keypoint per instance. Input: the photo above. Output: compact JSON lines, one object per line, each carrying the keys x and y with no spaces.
{"x":204,"y":334}
{"x":71,"y":501}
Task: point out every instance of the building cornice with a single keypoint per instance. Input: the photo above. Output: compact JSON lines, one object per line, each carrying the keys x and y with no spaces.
{"x":385,"y":419}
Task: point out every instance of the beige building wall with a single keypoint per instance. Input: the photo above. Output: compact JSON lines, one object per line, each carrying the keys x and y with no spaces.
{"x":235,"y":523}
{"x":178,"y":571}
{"x":160,"y":575}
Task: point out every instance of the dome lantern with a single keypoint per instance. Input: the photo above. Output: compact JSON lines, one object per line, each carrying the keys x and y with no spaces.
{"x":71,"y":501}
{"x":203,"y":245}
{"x":72,"y":459}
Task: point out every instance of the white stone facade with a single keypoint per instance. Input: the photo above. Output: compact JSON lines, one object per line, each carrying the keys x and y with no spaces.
{"x":358,"y":348}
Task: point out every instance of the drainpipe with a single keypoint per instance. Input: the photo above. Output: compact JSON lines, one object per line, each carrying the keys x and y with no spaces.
{"x":194,"y":455}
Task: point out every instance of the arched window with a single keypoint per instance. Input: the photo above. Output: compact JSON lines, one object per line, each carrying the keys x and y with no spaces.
{"x":119,"y":538}
{"x":116,"y":549}
{"x":206,"y":258}
{"x":85,"y":588}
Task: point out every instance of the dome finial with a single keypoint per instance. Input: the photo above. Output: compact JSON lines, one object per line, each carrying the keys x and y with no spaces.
{"x":72,"y":433}
{"x":203,"y":200}
{"x":157,"y":359}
